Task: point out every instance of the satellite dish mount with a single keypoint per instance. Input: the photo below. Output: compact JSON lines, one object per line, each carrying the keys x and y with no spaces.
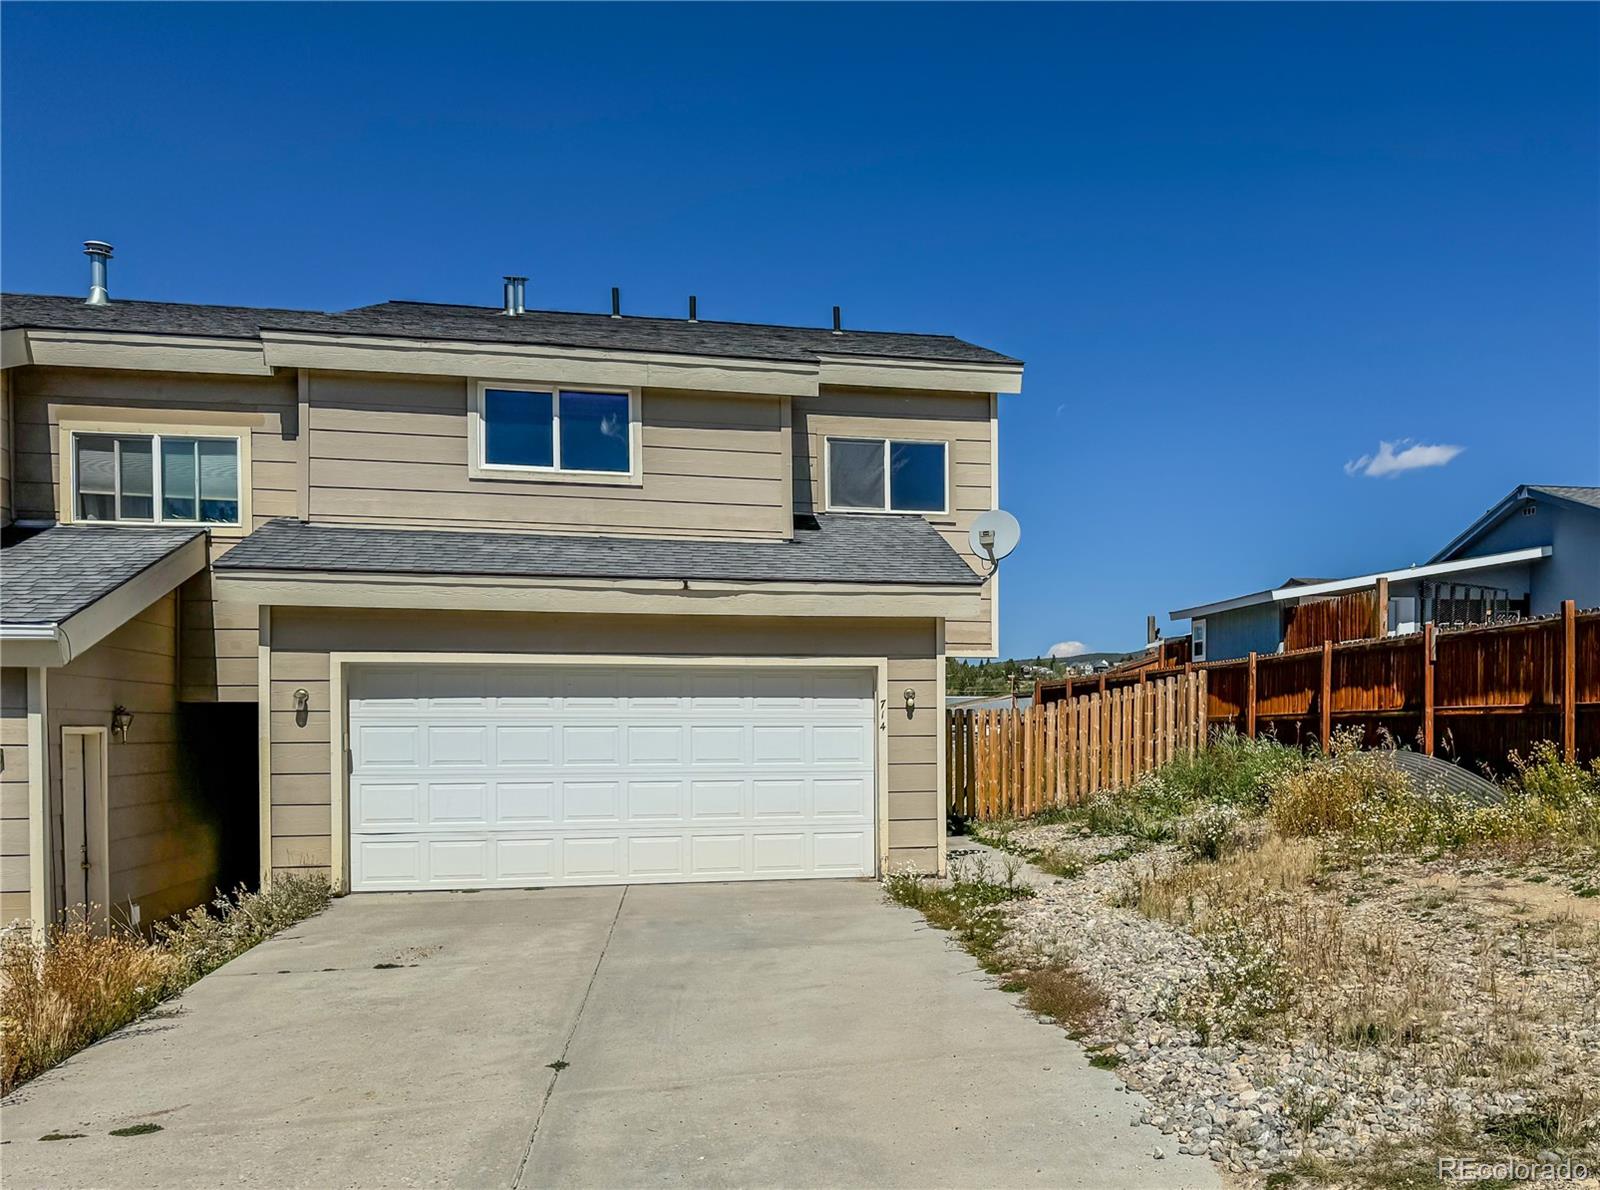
{"x":993,"y":536}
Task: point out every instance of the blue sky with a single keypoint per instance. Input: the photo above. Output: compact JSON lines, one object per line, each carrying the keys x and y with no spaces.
{"x":1238,"y":247}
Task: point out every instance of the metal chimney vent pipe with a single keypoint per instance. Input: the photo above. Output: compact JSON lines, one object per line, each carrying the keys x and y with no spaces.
{"x":519,"y":294}
{"x":98,"y":252}
{"x":836,"y":329}
{"x":694,"y":314}
{"x":509,"y":296}
{"x":616,"y":302}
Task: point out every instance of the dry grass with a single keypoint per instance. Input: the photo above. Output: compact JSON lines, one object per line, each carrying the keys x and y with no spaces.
{"x":1286,"y":957}
{"x":1061,"y":994}
{"x":83,"y":983}
{"x":80,"y":987}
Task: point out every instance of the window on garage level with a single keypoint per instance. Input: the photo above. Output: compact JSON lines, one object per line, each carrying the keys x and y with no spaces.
{"x":884,"y":475}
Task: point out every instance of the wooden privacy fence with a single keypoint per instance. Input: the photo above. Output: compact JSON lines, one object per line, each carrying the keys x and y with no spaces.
{"x":1002,"y":763}
{"x":1472,"y":694}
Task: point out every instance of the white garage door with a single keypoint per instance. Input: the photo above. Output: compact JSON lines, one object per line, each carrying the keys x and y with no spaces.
{"x":519,"y":775}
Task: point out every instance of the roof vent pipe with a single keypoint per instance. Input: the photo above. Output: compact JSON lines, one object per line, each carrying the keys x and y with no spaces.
{"x":836,"y":329}
{"x":520,"y":294}
{"x":98,"y":252}
{"x":616,"y":302}
{"x":693,"y":313}
{"x":509,"y":296}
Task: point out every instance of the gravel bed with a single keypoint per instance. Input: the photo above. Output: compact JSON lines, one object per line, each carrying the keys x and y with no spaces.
{"x":1255,"y":1106}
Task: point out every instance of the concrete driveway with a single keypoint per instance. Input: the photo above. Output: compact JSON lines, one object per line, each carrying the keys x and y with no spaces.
{"x":786,"y":1034}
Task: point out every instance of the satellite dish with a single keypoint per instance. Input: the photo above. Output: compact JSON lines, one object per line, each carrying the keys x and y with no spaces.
{"x":994,"y":535}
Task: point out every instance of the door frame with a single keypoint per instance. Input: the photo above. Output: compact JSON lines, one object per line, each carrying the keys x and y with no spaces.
{"x":86,"y":821}
{"x":339,"y":718}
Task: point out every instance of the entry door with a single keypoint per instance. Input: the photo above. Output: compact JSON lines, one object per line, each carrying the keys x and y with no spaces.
{"x":86,"y":876}
{"x":528,"y":775}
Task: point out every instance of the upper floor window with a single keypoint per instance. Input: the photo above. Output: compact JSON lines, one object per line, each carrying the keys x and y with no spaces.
{"x":155,"y":478}
{"x":563,"y":431}
{"x":882,"y":475}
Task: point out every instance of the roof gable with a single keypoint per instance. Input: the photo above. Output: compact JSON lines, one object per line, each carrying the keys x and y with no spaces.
{"x":1585,"y":499}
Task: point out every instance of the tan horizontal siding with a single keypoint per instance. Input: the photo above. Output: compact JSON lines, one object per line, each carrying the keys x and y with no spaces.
{"x":162,"y":852}
{"x":961,"y":420}
{"x":393,"y":450}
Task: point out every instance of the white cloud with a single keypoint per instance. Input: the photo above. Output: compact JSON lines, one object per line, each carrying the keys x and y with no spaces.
{"x":1410,"y":455}
{"x":1067,"y":648}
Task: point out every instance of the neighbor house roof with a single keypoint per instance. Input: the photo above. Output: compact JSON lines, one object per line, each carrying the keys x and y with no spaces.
{"x":64,"y":588}
{"x":1291,"y":591}
{"x":1584,"y":498}
{"x":487,"y":324}
{"x":825,"y":549}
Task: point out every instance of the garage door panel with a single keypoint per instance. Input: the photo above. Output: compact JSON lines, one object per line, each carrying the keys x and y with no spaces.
{"x":395,"y":746}
{"x":525,"y":861}
{"x":775,"y":854}
{"x":716,"y":799}
{"x":655,"y":801}
{"x":458,"y":745}
{"x":525,"y":775}
{"x":778,"y":799}
{"x":838,"y":797}
{"x":656,"y":744}
{"x":655,"y":855}
{"x":525,"y":745}
{"x":591,"y":801}
{"x":458,"y":804}
{"x":525,"y":803}
{"x":778,"y":746}
{"x":592,"y":857}
{"x":847,"y":745}
{"x":591,"y":744}
{"x":840,"y":851}
{"x":717,"y":745}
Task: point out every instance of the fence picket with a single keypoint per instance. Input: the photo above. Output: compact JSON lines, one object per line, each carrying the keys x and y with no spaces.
{"x":1003,"y":763}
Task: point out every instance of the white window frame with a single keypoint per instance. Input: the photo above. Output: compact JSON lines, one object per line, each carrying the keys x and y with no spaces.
{"x":1197,"y":639}
{"x":69,"y":472}
{"x":827,"y":480}
{"x":478,"y":466}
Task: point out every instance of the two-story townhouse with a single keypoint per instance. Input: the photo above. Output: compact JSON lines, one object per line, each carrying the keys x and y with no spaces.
{"x":520,"y":598}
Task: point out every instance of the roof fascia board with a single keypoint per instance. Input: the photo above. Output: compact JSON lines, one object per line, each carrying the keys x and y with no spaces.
{"x":14,"y":351}
{"x":32,"y":646}
{"x":1336,"y":586}
{"x":863,"y":372}
{"x":1222,"y":605}
{"x":150,"y":353}
{"x":1508,"y":558}
{"x":521,"y":361}
{"x":81,"y":631}
{"x":638,"y":597}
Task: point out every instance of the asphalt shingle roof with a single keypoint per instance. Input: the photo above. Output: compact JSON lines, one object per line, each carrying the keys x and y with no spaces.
{"x":52,"y":575}
{"x":486,"y":324}
{"x":1589,"y":496}
{"x":828,"y":549}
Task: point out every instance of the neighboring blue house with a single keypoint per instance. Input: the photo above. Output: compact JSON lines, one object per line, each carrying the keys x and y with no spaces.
{"x":1537,"y":547}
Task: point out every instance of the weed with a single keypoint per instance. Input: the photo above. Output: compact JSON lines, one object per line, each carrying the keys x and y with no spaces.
{"x":136,"y":1130}
{"x":62,"y":1136}
{"x":558,"y":1065}
{"x":1105,"y":1059}
{"x":82,"y":983}
{"x":1065,"y":996}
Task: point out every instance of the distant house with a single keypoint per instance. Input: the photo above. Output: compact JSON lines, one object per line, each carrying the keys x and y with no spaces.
{"x":1533,"y":549}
